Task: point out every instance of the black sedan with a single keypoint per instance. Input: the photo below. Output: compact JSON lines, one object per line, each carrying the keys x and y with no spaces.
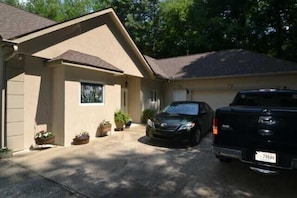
{"x":181,"y":121}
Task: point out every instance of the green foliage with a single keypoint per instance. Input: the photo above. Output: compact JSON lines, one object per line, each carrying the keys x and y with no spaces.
{"x":147,"y":114}
{"x":15,"y":3}
{"x":140,"y":19}
{"x":105,"y":123}
{"x":5,"y":150}
{"x":50,"y":9}
{"x":121,"y":117}
{"x":177,"y":27}
{"x":83,"y":134}
{"x":43,"y":134}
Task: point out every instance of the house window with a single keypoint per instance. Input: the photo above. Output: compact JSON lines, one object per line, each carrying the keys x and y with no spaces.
{"x":153,"y":96}
{"x":91,"y":93}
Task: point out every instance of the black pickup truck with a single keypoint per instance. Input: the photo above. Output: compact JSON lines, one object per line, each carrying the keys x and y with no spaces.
{"x":259,"y":128}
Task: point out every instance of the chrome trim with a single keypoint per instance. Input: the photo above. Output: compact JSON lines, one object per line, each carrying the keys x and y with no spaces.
{"x":264,"y":171}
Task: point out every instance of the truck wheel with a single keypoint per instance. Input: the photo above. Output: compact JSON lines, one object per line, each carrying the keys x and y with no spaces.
{"x":225,"y":159}
{"x":196,"y":137}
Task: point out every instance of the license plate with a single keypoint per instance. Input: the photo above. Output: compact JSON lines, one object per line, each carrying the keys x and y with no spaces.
{"x":265,"y":157}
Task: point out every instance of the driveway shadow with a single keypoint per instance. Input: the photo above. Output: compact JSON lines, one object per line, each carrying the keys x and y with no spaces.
{"x":158,"y":143}
{"x":205,"y":143}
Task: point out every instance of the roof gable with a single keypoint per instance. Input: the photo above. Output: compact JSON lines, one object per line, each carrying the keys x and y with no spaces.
{"x":54,"y":40}
{"x":75,"y":57}
{"x":15,"y":22}
{"x":236,"y":62}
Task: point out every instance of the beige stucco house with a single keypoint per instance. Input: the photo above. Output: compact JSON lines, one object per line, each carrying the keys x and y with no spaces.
{"x":68,"y":77}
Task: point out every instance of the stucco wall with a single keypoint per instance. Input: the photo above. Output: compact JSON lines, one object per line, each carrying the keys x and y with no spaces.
{"x":147,"y":86}
{"x":15,"y":105}
{"x":37,"y":99}
{"x":58,"y":97}
{"x":52,"y":101}
{"x":86,"y":117}
{"x":134,"y":100}
{"x":105,"y":42}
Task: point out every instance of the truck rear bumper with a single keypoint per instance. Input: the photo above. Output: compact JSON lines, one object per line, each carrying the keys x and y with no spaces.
{"x":222,"y":152}
{"x":227,"y":152}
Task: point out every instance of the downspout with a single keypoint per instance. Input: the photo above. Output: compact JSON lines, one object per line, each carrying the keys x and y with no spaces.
{"x":5,"y":56}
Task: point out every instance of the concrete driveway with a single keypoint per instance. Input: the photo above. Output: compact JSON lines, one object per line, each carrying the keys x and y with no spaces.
{"x":125,"y":164}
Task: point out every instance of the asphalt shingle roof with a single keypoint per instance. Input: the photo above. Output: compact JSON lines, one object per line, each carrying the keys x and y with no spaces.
{"x":15,"y":22}
{"x":76,"y":57}
{"x":155,"y":67}
{"x":236,"y":62}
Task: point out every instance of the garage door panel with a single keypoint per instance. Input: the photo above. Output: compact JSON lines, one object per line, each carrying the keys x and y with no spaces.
{"x":214,"y":98}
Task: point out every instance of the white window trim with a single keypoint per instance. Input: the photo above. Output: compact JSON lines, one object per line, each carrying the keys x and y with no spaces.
{"x":153,"y":97}
{"x":94,"y":83}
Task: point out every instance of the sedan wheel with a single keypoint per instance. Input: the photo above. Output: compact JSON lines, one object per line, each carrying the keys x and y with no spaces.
{"x":195,"y":138}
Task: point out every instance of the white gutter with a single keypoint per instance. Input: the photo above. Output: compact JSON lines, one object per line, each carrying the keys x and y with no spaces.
{"x":55,"y":64}
{"x":14,"y":52}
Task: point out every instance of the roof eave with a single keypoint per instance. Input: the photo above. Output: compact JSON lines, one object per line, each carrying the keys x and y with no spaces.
{"x":55,"y":27}
{"x":84,"y":66}
{"x":234,"y":76}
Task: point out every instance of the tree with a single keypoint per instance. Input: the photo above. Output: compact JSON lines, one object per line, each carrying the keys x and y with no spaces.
{"x":265,"y":26}
{"x":76,"y":8}
{"x":165,"y":28}
{"x":175,"y":31}
{"x":51,"y":9}
{"x":140,"y":20}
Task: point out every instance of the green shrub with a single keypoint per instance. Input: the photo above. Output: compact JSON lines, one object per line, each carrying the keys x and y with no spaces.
{"x":121,"y":117}
{"x":147,"y":114}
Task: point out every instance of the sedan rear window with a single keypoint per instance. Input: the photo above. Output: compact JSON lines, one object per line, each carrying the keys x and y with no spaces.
{"x":183,"y":108}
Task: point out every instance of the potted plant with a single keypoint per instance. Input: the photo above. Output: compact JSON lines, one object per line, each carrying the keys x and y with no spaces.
{"x":44,"y":137}
{"x":120,"y":119}
{"x":82,"y":138}
{"x":128,"y":124}
{"x":104,"y":127}
{"x":5,"y":152}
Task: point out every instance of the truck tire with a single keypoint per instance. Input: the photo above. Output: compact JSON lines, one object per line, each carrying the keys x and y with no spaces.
{"x":224,"y":159}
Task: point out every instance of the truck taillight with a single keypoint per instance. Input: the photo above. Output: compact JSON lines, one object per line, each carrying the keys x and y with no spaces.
{"x":215,"y":127}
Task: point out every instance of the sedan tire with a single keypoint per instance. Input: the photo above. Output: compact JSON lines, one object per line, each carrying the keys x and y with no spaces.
{"x":195,"y":137}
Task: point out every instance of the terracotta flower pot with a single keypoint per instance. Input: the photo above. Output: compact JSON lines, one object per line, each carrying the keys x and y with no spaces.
{"x":103,"y":130}
{"x":81,"y":140}
{"x":119,"y":126}
{"x":48,"y":140}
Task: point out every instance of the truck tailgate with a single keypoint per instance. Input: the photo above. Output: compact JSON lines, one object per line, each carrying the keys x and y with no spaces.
{"x":259,"y":132}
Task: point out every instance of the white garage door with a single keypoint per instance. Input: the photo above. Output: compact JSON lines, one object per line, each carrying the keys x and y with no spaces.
{"x":179,"y":95}
{"x":215,"y":98}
